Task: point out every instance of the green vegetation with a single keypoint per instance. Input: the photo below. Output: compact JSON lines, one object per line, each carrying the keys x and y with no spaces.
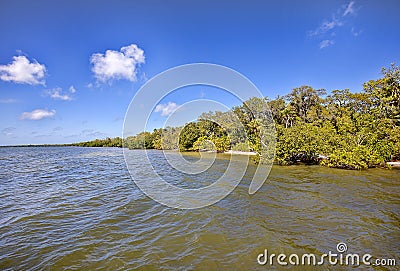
{"x":342,"y":129}
{"x":352,"y":130}
{"x":108,"y":142}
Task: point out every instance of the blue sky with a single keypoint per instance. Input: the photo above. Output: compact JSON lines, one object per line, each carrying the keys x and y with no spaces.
{"x":68,"y":70}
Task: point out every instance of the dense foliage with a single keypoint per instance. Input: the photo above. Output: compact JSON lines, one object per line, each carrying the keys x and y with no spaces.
{"x":107,"y":142}
{"x":342,"y":129}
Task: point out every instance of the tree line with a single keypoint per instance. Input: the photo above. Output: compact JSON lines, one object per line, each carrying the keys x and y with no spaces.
{"x":340,"y":129}
{"x":107,"y":142}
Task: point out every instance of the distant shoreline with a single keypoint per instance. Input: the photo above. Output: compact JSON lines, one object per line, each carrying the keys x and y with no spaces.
{"x":389,"y":164}
{"x":250,"y":153}
{"x":40,"y":145}
{"x":232,"y":152}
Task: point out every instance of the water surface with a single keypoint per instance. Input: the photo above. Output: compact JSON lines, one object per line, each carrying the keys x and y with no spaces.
{"x":71,"y":208}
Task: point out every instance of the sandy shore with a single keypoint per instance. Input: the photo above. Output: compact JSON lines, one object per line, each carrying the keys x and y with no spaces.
{"x":241,"y":152}
{"x":394,"y":164}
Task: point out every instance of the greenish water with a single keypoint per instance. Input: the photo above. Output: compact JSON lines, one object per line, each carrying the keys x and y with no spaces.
{"x":71,"y":208}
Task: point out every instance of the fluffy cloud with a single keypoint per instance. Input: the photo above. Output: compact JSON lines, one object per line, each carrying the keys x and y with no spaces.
{"x":325,"y":43}
{"x":37,"y":114}
{"x":72,"y":89}
{"x":22,"y":71}
{"x":166,"y":109}
{"x":57,"y":94}
{"x":120,"y":64}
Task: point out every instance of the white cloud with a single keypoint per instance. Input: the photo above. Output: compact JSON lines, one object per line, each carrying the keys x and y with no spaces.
{"x":325,"y":43}
{"x":328,"y":27}
{"x":166,"y":109}
{"x":37,"y":114}
{"x":57,"y":94}
{"x":7,"y":101}
{"x":349,"y":10}
{"x":72,"y":89}
{"x":121,"y":64}
{"x":22,"y":71}
{"x":355,"y":33}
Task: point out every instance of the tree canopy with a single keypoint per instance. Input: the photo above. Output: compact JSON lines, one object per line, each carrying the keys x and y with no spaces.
{"x":340,"y":129}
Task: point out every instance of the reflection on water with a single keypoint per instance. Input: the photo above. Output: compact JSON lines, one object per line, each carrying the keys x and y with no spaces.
{"x":78,"y":209}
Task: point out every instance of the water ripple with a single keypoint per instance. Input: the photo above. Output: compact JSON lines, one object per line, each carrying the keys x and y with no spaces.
{"x":75,"y":208}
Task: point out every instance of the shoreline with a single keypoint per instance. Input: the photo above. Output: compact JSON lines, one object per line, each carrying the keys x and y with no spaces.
{"x":395,"y":165}
{"x":232,"y":152}
{"x":389,"y":164}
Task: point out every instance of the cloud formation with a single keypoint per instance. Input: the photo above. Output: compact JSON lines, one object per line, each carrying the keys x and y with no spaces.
{"x":326,"y":26}
{"x":355,"y":33}
{"x":349,"y":10}
{"x":326,"y":30}
{"x":325,"y":43}
{"x":22,"y":71}
{"x":166,"y":109}
{"x":37,"y":114}
{"x":72,"y":89}
{"x":58,"y":94}
{"x":114,"y":65}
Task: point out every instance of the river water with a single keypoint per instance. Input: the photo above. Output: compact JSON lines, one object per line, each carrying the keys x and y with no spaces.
{"x":72,"y":208}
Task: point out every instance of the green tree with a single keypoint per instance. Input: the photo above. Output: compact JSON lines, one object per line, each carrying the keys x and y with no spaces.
{"x":189,"y":134}
{"x":303,"y":99}
{"x":344,"y":129}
